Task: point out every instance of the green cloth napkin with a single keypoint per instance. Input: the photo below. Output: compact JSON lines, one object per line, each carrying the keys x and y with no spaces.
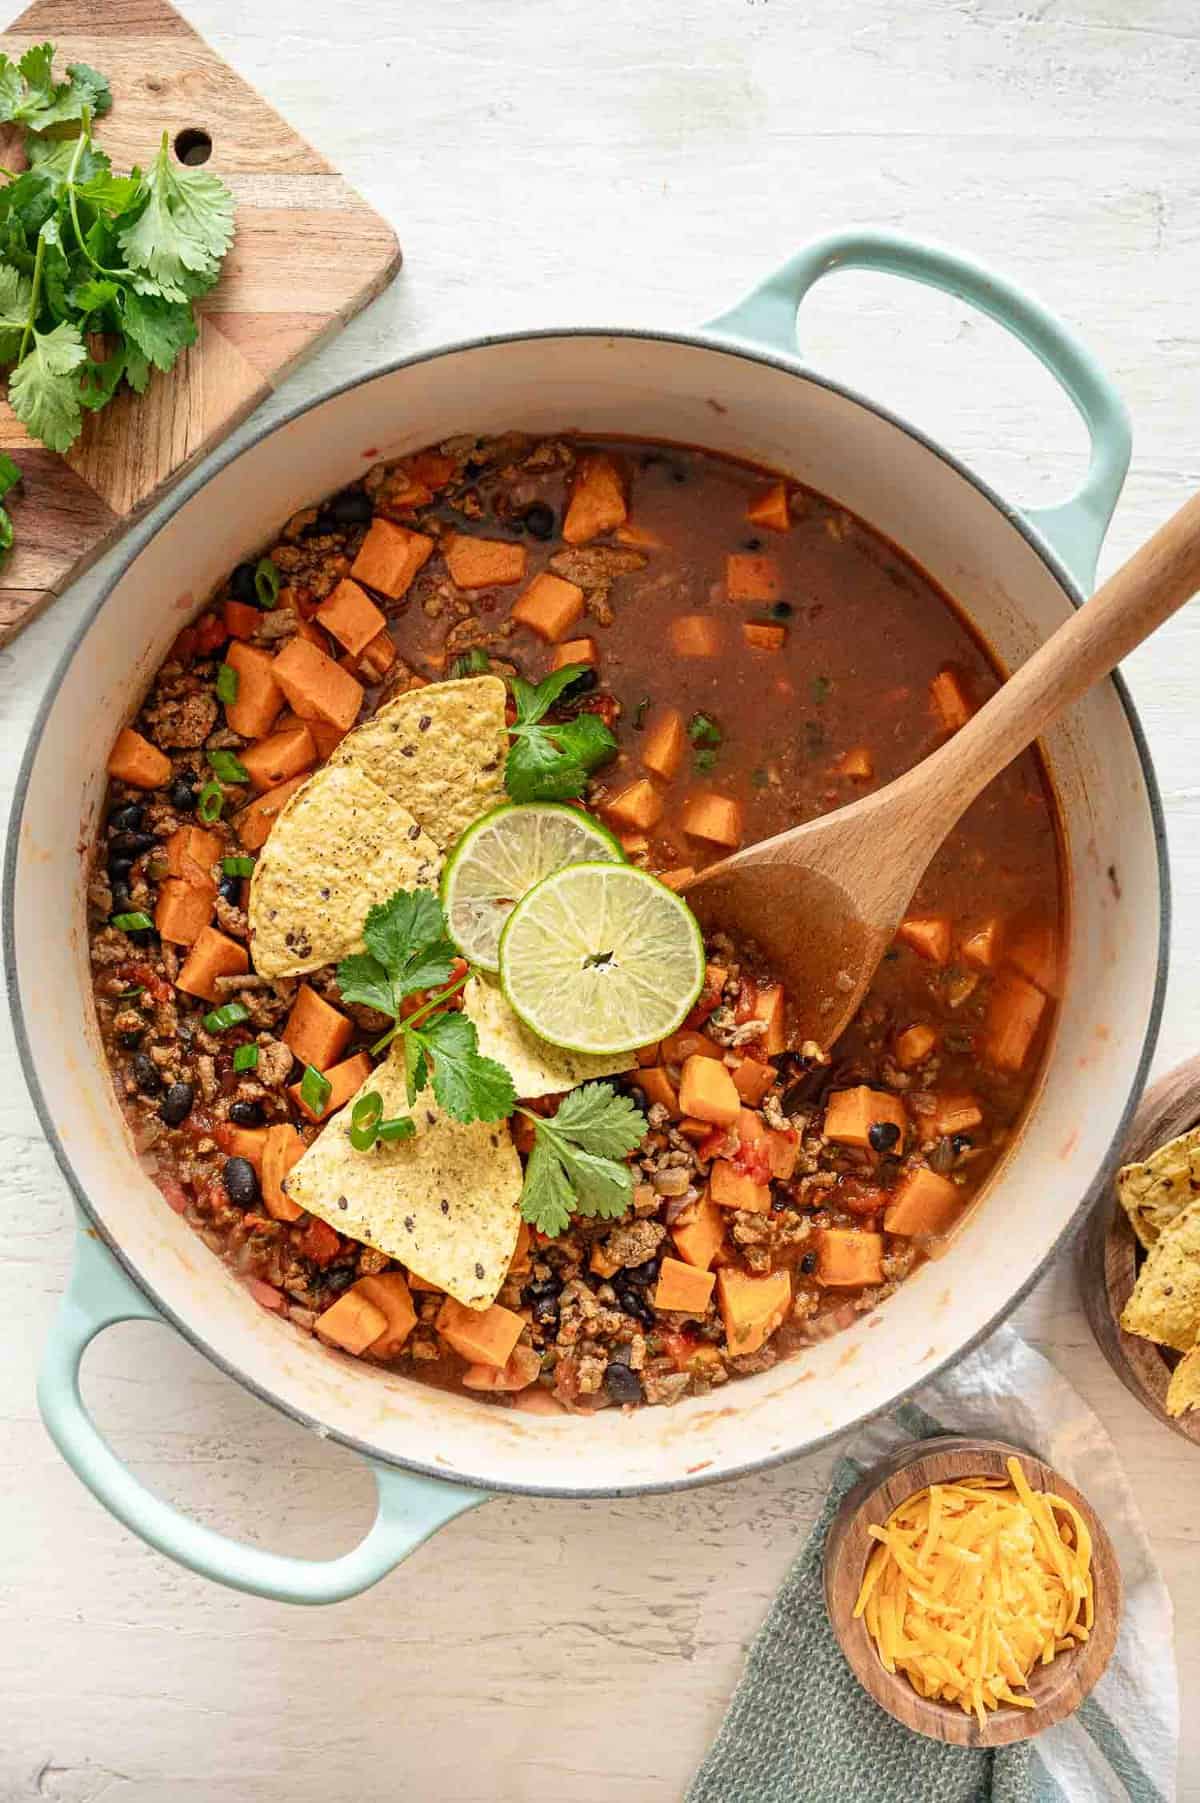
{"x":801,"y":1729}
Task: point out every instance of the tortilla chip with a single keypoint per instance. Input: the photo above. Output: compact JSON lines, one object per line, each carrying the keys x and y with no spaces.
{"x":538,"y":1068}
{"x":439,"y":751}
{"x":339,"y":846}
{"x":1155,"y":1193}
{"x":1183,"y":1391}
{"x":443,"y":1202}
{"x":1165,"y":1304}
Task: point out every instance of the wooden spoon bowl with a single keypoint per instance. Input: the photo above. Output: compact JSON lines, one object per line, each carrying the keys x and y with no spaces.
{"x":1109,"y":1253}
{"x":1057,"y":1688}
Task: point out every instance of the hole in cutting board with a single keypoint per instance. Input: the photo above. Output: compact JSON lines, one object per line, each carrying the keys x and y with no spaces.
{"x":193,"y":145}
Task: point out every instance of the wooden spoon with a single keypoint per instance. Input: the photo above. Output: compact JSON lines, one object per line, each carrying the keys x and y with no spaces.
{"x":823,"y":901}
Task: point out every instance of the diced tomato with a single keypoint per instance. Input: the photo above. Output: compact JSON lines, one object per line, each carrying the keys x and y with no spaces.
{"x":184,"y":648}
{"x":265,"y":1294}
{"x":210,"y":632}
{"x":747,"y":1001}
{"x":319,"y":1242}
{"x":753,"y":1160}
{"x":719,"y":1144}
{"x":861,"y":1198}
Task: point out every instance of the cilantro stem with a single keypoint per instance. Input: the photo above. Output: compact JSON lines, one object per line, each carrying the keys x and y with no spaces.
{"x":11,"y":174}
{"x":81,"y":143}
{"x":420,"y":1014}
{"x":34,"y":297}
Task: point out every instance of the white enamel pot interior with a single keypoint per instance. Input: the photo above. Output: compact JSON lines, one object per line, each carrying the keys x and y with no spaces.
{"x":695,"y":391}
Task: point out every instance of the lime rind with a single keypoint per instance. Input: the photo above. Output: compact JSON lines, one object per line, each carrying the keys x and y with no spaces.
{"x":647,"y":943}
{"x":504,"y":854}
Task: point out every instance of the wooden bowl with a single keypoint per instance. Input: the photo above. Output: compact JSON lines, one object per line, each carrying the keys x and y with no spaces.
{"x":1057,"y":1688}
{"x":1109,"y":1253}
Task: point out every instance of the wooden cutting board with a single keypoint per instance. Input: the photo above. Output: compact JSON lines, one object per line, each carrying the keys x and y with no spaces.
{"x":307,"y":255}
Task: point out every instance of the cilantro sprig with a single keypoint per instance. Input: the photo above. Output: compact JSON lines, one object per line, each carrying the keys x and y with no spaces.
{"x":409,"y":952}
{"x":551,"y":761}
{"x":578,"y":1163}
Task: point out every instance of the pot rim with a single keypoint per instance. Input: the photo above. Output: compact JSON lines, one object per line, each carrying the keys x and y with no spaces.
{"x":698,"y":339}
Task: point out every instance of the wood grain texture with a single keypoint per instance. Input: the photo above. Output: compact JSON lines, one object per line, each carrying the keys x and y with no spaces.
{"x":1057,"y":1688}
{"x":1109,"y":1254}
{"x":640,"y":165}
{"x":301,"y":232}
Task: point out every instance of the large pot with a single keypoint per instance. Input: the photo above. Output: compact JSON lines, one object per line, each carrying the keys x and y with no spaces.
{"x":736,"y":386}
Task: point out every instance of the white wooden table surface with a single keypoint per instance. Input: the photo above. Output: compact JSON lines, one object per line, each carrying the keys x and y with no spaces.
{"x":554,"y":162}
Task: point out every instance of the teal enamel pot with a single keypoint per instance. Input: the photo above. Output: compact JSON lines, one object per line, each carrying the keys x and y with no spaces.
{"x":739,"y":386}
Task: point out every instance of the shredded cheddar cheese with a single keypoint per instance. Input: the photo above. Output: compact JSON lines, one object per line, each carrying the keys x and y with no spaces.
{"x":974,"y":1584}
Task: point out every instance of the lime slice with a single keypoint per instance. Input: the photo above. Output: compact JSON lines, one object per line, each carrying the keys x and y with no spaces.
{"x":601,"y":958}
{"x":502,"y":856}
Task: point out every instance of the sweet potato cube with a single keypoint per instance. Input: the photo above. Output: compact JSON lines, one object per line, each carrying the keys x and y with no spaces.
{"x":752,"y":1079}
{"x":316,"y":1033}
{"x":638,"y":538}
{"x":982,"y":949}
{"x":665,"y":743}
{"x":1034,"y":952}
{"x":683,"y":1286}
{"x":1014,"y":1015}
{"x":706,"y":1091}
{"x":353,"y":1323}
{"x":953,"y":1114}
{"x":657,"y":1086}
{"x":253,"y":824}
{"x":638,"y":805}
{"x":282,"y":1149}
{"x":277,"y":759}
{"x":914,"y":1045}
{"x":351,"y":616}
{"x":482,"y":1336}
{"x":923,"y":1202}
{"x":857,"y":764}
{"x":212,"y":955}
{"x":315,"y":686}
{"x":389,"y":1293}
{"x":134,"y":760}
{"x":928,"y":935}
{"x":851,"y":1113}
{"x":706,"y":815}
{"x":752,"y":1308}
{"x":550,"y":607}
{"x":770,"y":508}
{"x":390,"y":557}
{"x":192,"y":853}
{"x":731,"y":1188}
{"x":601,"y":1263}
{"x":378,"y":656}
{"x":770,"y":1007}
{"x":521,"y":1370}
{"x":249,"y":1143}
{"x":417,"y":1282}
{"x":241,"y":620}
{"x":575,"y":651}
{"x":689,"y":1042}
{"x":752,"y":576}
{"x":700,"y":1234}
{"x":760,"y":636}
{"x":948,"y":697}
{"x":343,"y":1080}
{"x":847,"y":1257}
{"x":679,"y":878}
{"x":259,"y":698}
{"x":695,"y":635}
{"x":597,"y":501}
{"x":183,"y":909}
{"x":783,"y":1150}
{"x":484,"y":562}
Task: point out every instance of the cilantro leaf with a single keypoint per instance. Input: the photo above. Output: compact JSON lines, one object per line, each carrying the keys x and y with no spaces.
{"x":407,"y":935}
{"x":578,"y":1163}
{"x":468,"y":1086}
{"x":10,"y":475}
{"x":416,"y":1069}
{"x":16,"y":292}
{"x":552,"y":762}
{"x":42,"y":389}
{"x":363,"y":979}
{"x":533,"y":703}
{"x":159,"y":328}
{"x":30,"y":95}
{"x":182,"y":232}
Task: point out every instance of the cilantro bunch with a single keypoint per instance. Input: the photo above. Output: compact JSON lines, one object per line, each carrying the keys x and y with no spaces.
{"x":552,"y":760}
{"x":98,"y":271}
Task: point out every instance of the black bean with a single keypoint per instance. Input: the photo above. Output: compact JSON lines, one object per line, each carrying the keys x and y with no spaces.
{"x":241,"y":584}
{"x":622,"y":1384}
{"x":182,"y":794}
{"x":541,"y":1287}
{"x":230,"y":889}
{"x":752,"y":544}
{"x":146,"y":1074}
{"x":122,"y":901}
{"x":634,"y":1304}
{"x":641,"y":1275}
{"x":352,"y":509}
{"x":582,"y":684}
{"x":322,"y":526}
{"x":130,"y":845}
{"x":679,"y":474}
{"x":962,"y":1142}
{"x":176,"y":1105}
{"x":129,"y":1037}
{"x":883,"y":1135}
{"x":241,"y":1182}
{"x":545,"y":1311}
{"x":808,"y":1263}
{"x":539,"y":520}
{"x":127,"y":818}
{"x":118,"y":868}
{"x":781,"y":610}
{"x":246,"y":1114}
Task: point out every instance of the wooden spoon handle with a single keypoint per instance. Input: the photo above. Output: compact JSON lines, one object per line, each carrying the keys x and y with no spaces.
{"x":1147,"y":590}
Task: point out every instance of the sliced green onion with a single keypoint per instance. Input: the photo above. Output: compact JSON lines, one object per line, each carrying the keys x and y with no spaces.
{"x":364,"y":1120}
{"x":266,"y":583}
{"x":315,"y":1090}
{"x":130,"y":995}
{"x":474,"y":662}
{"x":137,"y":922}
{"x":229,"y":1014}
{"x":227,"y":684}
{"x":401,"y":1126}
{"x":246,"y":1058}
{"x":237,"y":866}
{"x":702,"y":730}
{"x":211,"y":803}
{"x":229,"y":768}
{"x":704,"y":760}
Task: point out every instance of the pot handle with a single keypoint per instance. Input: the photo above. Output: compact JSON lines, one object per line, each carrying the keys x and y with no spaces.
{"x":410,"y":1509}
{"x":1075,"y":528}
